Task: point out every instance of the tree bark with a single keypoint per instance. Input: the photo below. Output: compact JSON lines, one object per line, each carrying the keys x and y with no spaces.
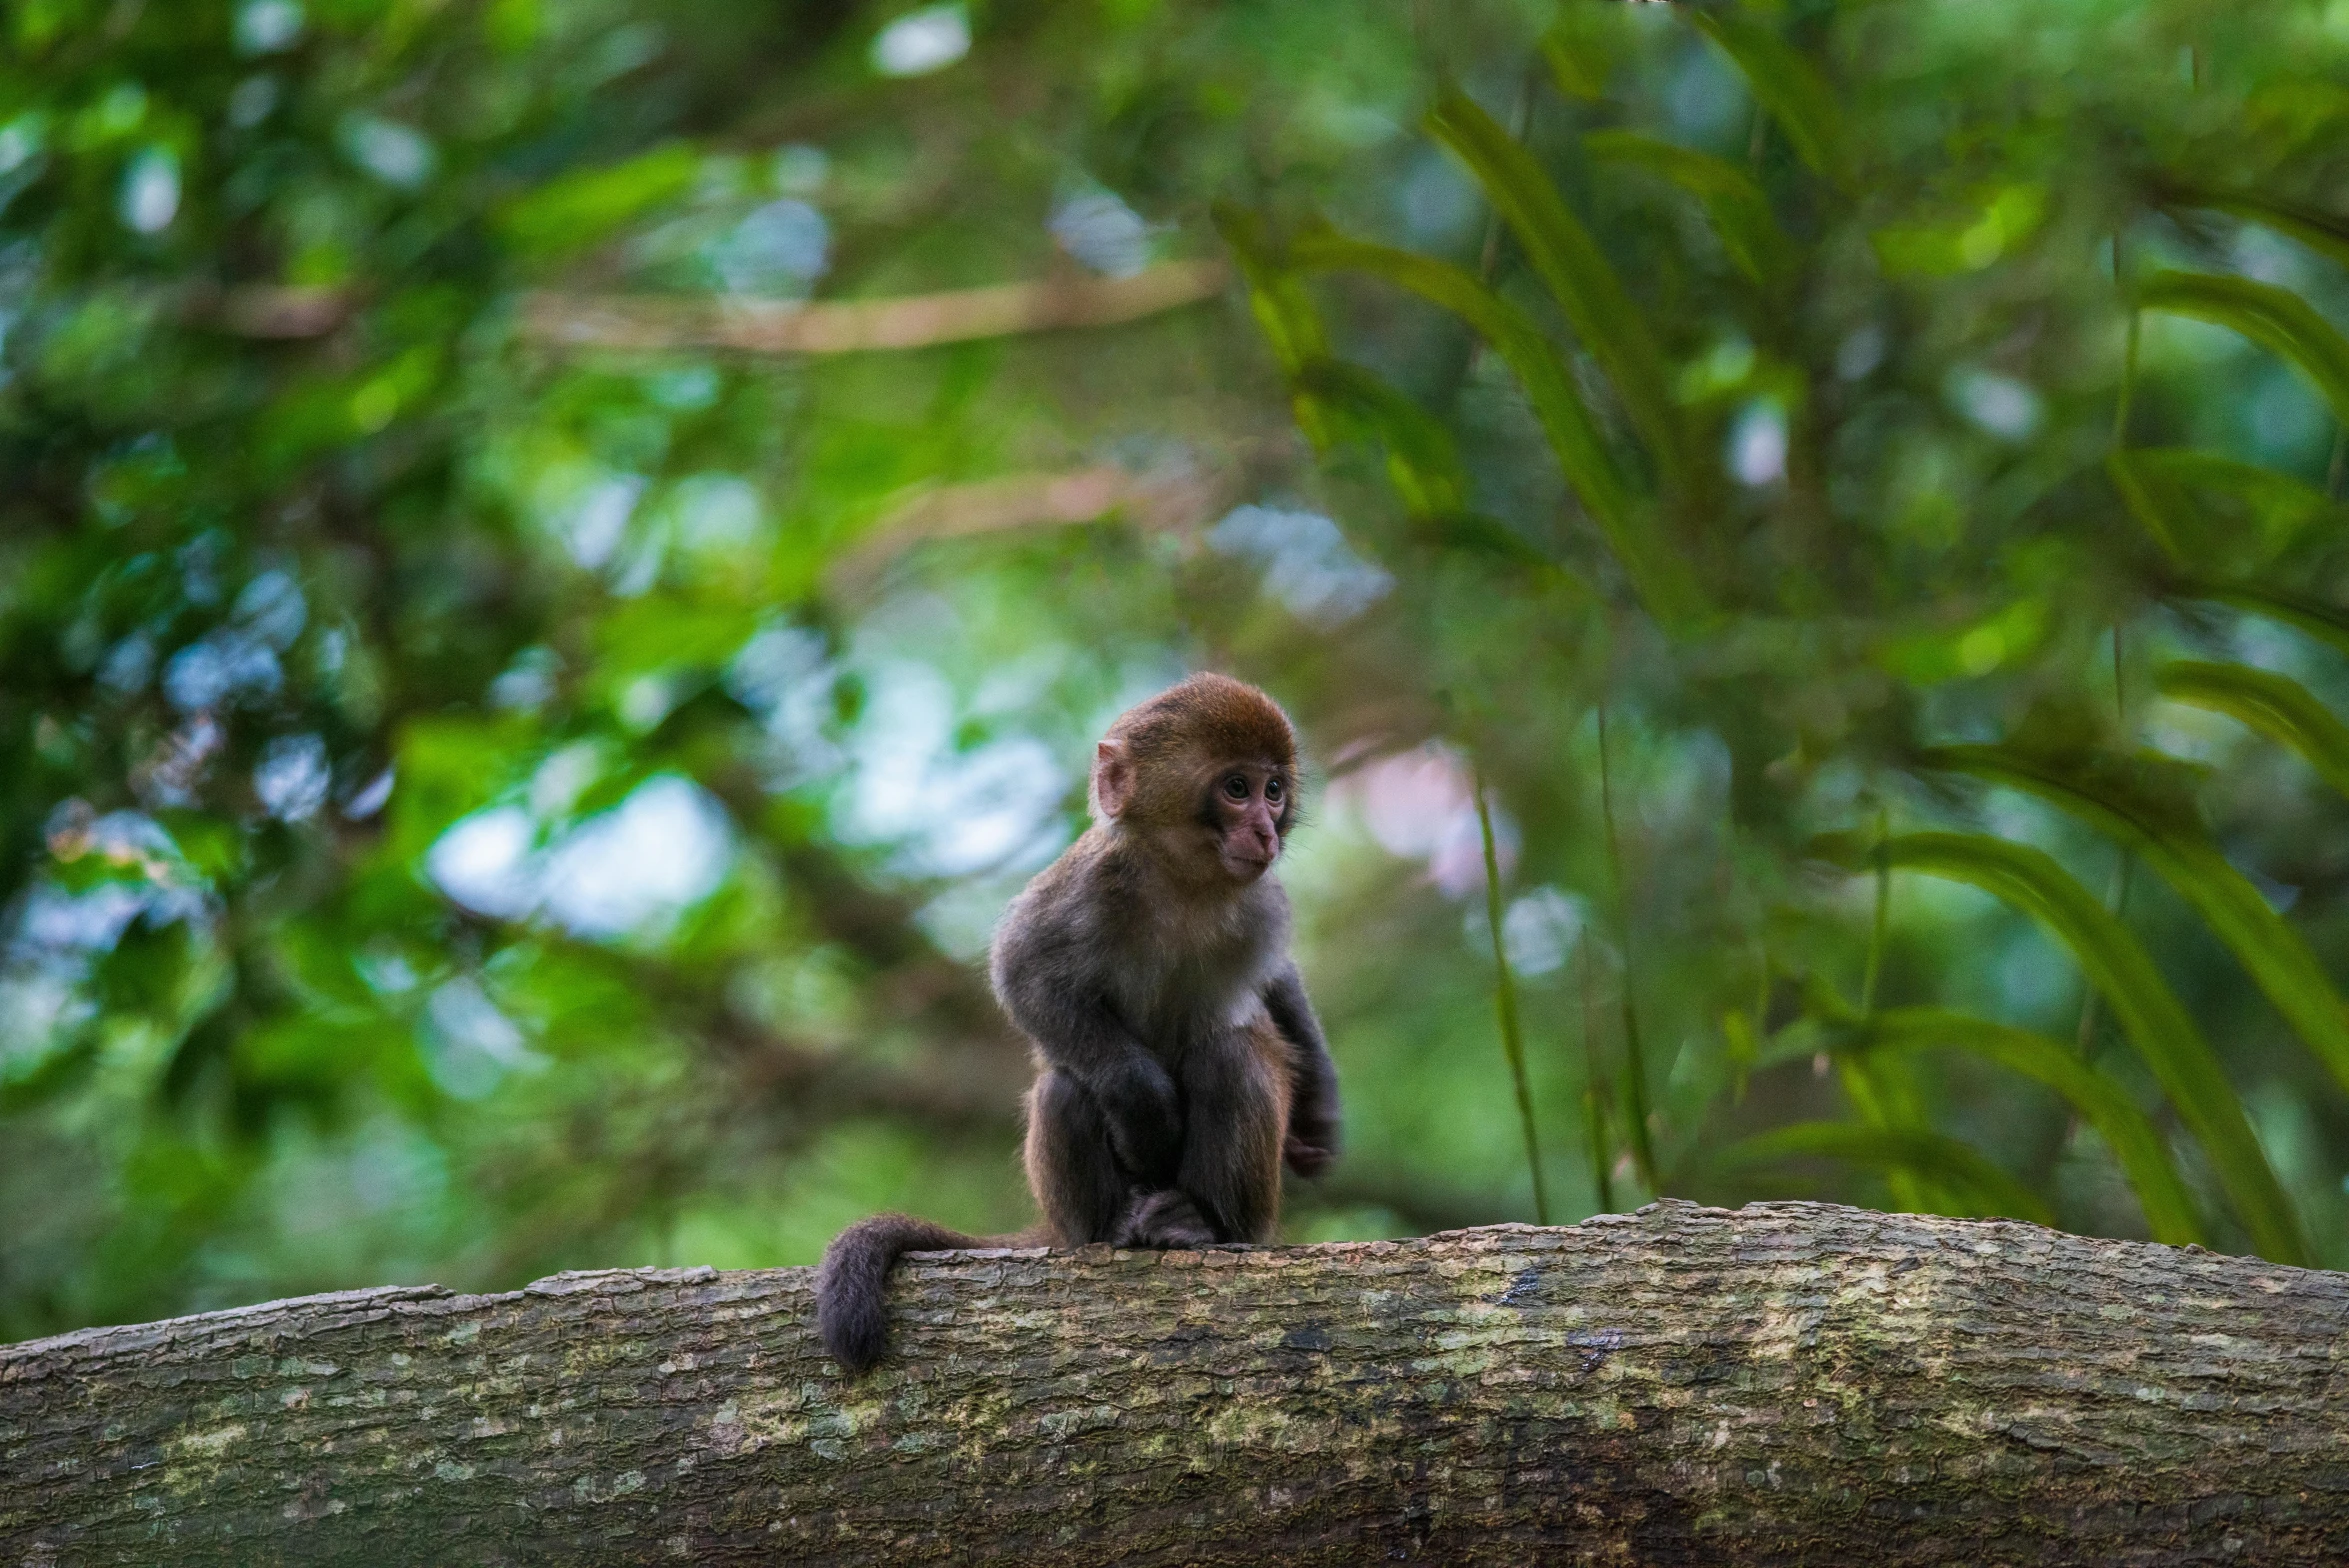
{"x":1789,"y":1383}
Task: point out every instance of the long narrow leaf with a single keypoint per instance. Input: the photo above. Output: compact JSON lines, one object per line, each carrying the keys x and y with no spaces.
{"x":1582,"y":48}
{"x":1788,"y":85}
{"x":1505,"y":1006}
{"x":2320,"y":231}
{"x":1920,"y":1153}
{"x":1290,"y":322}
{"x":2150,"y":1014}
{"x":2328,"y":624}
{"x":1733,"y":203}
{"x":1570,"y":265}
{"x":2214,"y":514}
{"x":1881,"y":1092}
{"x":2155,"y":503}
{"x":2133,"y":1139}
{"x":1656,"y":572}
{"x":1422,"y":462}
{"x":2276,"y":319}
{"x":1881,"y":1088}
{"x":1421,"y":457}
{"x":2277,"y":706}
{"x":2182,"y":853}
{"x":1283,"y":311}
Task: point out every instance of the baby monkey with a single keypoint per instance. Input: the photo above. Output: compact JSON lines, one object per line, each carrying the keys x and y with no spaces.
{"x":1178,"y":1063}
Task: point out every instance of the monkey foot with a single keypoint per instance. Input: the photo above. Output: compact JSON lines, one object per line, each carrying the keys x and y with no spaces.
{"x":1167,"y":1219}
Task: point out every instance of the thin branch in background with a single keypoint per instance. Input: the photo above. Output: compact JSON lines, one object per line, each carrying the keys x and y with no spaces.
{"x":1882,"y":1090}
{"x":278,"y":311}
{"x":2120,"y":678}
{"x":755,"y":325}
{"x":851,"y":326}
{"x":1881,"y":925}
{"x":1505,"y":1002}
{"x":1746,"y":1041}
{"x":1158,"y":500}
{"x":1635,"y":1076}
{"x":2124,"y":871}
{"x":1594,"y":1082}
{"x":2120,"y":413}
{"x":2117,"y":897}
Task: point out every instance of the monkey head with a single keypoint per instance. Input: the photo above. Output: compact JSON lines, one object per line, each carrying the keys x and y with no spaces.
{"x":1203,"y":775}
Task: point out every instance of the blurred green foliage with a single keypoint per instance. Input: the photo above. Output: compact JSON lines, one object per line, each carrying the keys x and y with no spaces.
{"x":1838,"y":504}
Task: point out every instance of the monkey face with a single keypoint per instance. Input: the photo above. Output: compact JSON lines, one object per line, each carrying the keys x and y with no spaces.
{"x":1202,"y":777}
{"x":1246,"y":807}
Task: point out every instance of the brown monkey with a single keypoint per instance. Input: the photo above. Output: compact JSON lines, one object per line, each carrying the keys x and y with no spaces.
{"x":1178,"y":1062}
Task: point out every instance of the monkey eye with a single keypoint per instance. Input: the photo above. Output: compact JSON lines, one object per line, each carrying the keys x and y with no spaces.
{"x":1236,"y":787}
{"x":1272,"y":789}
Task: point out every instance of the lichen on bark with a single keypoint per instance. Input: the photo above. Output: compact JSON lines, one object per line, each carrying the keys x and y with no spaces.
{"x":1787,"y":1383}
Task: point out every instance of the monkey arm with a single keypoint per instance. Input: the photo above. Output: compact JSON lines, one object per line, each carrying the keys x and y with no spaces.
{"x":1313,"y":1095}
{"x":1145,"y":1115}
{"x":1079,"y":1035}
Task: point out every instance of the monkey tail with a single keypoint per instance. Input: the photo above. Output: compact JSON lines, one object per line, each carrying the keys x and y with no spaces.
{"x":852,"y":1286}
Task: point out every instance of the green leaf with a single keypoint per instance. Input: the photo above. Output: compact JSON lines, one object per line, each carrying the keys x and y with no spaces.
{"x":2169,"y":1208}
{"x":1282,"y":307}
{"x":2319,"y":230}
{"x":2156,"y":1023}
{"x":2277,"y":706}
{"x":1334,"y":397}
{"x":2213,"y":513}
{"x":2327,"y":623}
{"x":1787,"y":84}
{"x":1924,"y":1154}
{"x":1283,"y":310}
{"x":1571,"y":267}
{"x":2106,"y":793}
{"x":1421,"y":458}
{"x":1733,"y":203}
{"x":2276,"y":319}
{"x":1583,"y":47}
{"x":1884,"y":1094}
{"x":579,"y":209}
{"x":1656,"y":571}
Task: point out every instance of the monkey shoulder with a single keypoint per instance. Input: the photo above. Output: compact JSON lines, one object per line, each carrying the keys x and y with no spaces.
{"x":1052,"y":923}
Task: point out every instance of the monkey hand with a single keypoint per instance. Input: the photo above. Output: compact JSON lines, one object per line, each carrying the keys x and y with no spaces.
{"x":1145,"y":1118}
{"x":1306,"y":1159}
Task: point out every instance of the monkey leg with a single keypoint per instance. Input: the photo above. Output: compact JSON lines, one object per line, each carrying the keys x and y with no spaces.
{"x":1236,"y":1110}
{"x":1072,"y":1169}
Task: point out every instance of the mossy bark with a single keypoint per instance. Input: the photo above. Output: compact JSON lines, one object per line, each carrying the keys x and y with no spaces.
{"x":1789,"y":1383}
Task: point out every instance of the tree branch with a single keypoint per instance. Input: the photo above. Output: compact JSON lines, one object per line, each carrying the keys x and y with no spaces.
{"x":1787,"y":1383}
{"x":763,"y":326}
{"x":850,"y":326}
{"x":1166,"y":499}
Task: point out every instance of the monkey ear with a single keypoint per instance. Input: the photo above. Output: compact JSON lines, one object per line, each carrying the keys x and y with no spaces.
{"x":1113,"y":778}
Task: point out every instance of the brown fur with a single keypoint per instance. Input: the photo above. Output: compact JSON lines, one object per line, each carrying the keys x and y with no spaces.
{"x":1178,"y":1060}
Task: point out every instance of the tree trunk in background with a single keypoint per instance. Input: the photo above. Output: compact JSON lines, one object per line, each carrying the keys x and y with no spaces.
{"x":1790,"y":1383}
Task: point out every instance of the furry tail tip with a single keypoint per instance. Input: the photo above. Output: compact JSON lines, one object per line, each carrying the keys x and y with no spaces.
{"x":852,"y":1286}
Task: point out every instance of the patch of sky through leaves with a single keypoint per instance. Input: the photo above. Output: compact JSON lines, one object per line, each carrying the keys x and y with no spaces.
{"x":923,"y":41}
{"x":1101,"y":231}
{"x":631,"y":869}
{"x":1307,"y":564}
{"x":949,"y":811}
